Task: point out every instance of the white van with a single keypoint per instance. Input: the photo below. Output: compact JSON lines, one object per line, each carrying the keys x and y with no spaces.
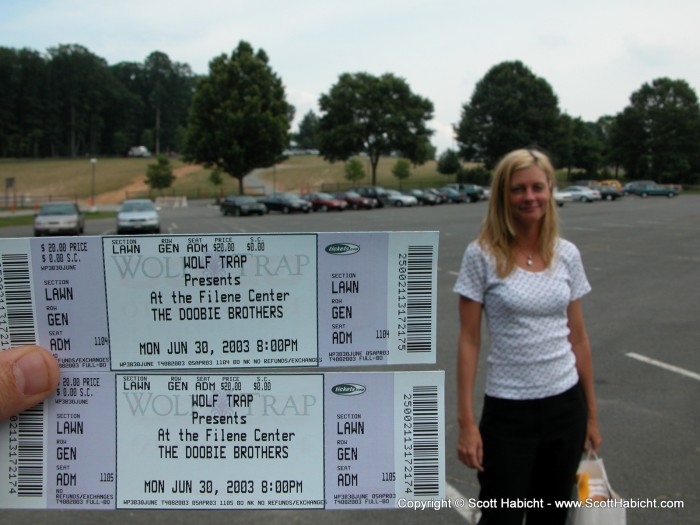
{"x":139,"y":151}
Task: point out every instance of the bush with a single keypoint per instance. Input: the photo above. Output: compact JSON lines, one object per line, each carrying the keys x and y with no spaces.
{"x":402,"y":169}
{"x":160,"y":176}
{"x":354,"y":170}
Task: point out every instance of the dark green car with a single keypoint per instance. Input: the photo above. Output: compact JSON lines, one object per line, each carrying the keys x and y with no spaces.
{"x":649,"y":189}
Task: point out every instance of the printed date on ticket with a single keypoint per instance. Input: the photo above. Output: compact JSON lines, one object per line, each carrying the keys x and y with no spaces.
{"x":334,"y":440}
{"x":222,"y":301}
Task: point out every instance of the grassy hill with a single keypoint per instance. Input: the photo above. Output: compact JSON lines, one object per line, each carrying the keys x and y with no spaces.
{"x":118,"y":178}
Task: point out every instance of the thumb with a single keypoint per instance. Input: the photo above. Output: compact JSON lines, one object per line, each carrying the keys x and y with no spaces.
{"x":28,"y":375}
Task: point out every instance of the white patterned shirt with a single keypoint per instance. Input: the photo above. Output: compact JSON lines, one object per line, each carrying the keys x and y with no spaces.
{"x":530,"y":356}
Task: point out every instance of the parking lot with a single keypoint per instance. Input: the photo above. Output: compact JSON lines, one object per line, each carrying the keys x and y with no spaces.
{"x":642,"y":257}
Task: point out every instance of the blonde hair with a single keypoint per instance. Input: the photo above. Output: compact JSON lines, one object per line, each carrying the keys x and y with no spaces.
{"x":497,"y":235}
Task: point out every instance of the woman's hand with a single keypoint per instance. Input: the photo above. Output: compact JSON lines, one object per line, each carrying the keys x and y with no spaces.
{"x":593,"y":437}
{"x":470,"y":449}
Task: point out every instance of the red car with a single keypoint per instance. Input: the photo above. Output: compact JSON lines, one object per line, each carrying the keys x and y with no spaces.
{"x":324,"y":202}
{"x":357,"y":201}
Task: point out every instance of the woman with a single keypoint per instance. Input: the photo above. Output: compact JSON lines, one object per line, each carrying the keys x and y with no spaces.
{"x":539,"y":409}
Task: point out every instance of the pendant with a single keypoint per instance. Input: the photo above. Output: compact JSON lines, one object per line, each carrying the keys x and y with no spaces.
{"x":529,"y":260}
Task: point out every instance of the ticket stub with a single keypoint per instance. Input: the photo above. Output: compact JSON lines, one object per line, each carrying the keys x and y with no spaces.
{"x":333,"y":440}
{"x":222,"y":301}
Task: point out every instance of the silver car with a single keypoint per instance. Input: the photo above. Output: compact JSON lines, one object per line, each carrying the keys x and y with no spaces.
{"x":138,"y":216}
{"x":59,"y":218}
{"x":583,"y":194}
{"x":399,"y":199}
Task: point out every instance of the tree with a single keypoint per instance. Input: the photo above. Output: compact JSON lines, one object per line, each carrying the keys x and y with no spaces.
{"x":131,"y":111}
{"x":77,"y":79}
{"x":603,"y":130}
{"x":306,"y":136}
{"x":216,"y":179}
{"x":168,"y":86}
{"x":354,"y":170}
{"x":579,"y":146}
{"x":374,"y":115}
{"x":239,"y":118}
{"x":163,"y":90}
{"x":23,"y":94}
{"x":160,"y":175}
{"x":448,"y":163}
{"x":510,"y":108}
{"x":657,"y":135}
{"x":402,"y":169}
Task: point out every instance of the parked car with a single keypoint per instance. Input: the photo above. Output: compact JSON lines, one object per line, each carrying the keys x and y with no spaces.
{"x":324,"y":202}
{"x":138,"y":216}
{"x":631,"y":187}
{"x":374,"y":192}
{"x":59,"y":218}
{"x":242,"y":205}
{"x":613,"y":183}
{"x":357,"y":201}
{"x":473,"y":192}
{"x":453,"y":195}
{"x":608,"y":193}
{"x":441,"y":196}
{"x":286,"y":203}
{"x":398,"y":199}
{"x":583,"y":194}
{"x":424,"y":197}
{"x":645,"y":189}
{"x":562,"y":197}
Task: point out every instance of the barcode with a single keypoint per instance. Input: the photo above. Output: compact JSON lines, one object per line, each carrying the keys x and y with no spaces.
{"x":426,"y":453}
{"x":30,"y":452}
{"x":18,"y":299}
{"x":31,"y":426}
{"x":419,"y":299}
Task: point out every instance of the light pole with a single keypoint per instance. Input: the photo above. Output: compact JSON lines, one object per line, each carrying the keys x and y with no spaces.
{"x":93,"y":162}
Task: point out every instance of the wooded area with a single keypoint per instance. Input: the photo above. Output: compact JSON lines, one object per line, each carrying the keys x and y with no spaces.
{"x":69,"y":102}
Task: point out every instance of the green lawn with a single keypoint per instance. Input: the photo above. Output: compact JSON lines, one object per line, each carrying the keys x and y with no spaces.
{"x":23,"y":220}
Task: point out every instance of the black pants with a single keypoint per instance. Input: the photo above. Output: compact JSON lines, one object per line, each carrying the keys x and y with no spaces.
{"x":531,"y":452}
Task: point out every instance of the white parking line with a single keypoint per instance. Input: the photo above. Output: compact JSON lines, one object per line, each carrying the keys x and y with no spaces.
{"x":666,"y":366}
{"x":471,"y":516}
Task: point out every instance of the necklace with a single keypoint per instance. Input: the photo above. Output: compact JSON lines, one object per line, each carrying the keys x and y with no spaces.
{"x":529,"y":260}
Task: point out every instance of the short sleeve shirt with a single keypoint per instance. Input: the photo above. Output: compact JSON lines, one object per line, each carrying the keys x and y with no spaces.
{"x":526,"y":315}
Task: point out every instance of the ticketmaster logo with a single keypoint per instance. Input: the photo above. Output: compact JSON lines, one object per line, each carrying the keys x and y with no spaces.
{"x":342,"y":248}
{"x":348,"y":389}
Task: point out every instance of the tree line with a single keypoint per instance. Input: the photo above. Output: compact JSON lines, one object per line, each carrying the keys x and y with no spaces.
{"x":657,"y":136}
{"x":68,"y":102}
{"x":236,"y":118}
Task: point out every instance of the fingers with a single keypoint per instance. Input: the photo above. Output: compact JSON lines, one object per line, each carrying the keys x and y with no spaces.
{"x":471,"y":459}
{"x":470,"y":450}
{"x":593,"y":441}
{"x":28,"y":375}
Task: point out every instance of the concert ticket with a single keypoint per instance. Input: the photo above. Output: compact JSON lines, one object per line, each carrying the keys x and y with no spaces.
{"x":222,"y":301}
{"x":156,"y":440}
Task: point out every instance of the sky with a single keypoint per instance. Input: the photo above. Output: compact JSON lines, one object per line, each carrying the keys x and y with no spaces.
{"x":594,"y":53}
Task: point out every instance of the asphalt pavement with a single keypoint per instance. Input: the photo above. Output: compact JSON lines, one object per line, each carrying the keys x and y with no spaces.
{"x":642,"y":257}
